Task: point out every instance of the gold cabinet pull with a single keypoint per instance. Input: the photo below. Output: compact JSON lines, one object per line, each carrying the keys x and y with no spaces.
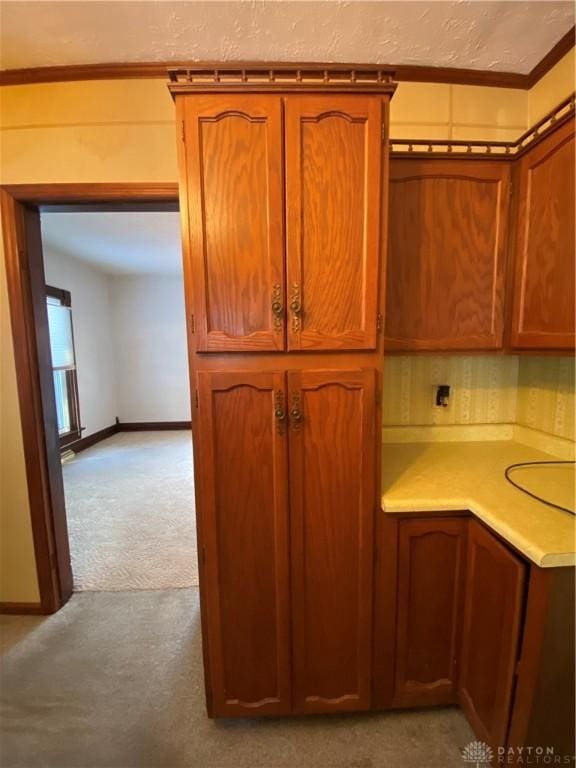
{"x":296,"y":307}
{"x":277,"y":307}
{"x":279,"y":410}
{"x":295,"y":411}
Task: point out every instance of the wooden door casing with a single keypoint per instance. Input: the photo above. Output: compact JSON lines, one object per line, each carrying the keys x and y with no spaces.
{"x":332,"y":474}
{"x":235,"y":194}
{"x":243,"y":504}
{"x":495,"y":582}
{"x":430,"y":589}
{"x":544,"y":281}
{"x":333,"y":150}
{"x":447,"y":239}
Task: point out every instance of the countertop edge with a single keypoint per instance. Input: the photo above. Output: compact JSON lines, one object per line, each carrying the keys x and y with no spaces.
{"x":534,"y":554}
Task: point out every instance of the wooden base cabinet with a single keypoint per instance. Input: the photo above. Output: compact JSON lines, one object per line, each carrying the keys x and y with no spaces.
{"x":431,"y":564}
{"x":495,"y":583}
{"x":461,"y":618}
{"x":287,"y":573}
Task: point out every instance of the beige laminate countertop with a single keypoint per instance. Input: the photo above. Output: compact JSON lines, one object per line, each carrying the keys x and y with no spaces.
{"x":423,"y":477}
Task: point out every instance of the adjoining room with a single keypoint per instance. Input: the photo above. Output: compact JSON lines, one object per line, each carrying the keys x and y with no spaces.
{"x":115,"y":299}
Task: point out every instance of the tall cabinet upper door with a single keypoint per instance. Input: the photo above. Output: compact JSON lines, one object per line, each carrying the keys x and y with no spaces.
{"x":543,"y":315}
{"x":332,"y":489}
{"x":446,"y":254}
{"x":242,"y":502}
{"x":333,"y":187}
{"x":236,"y":230}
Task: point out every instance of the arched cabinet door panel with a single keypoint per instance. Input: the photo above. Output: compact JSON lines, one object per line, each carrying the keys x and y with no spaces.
{"x":242,"y":503}
{"x":495,"y":583}
{"x":235,"y":195}
{"x":332,"y":502}
{"x":447,"y":239}
{"x":544,"y":285}
{"x":333,"y":188}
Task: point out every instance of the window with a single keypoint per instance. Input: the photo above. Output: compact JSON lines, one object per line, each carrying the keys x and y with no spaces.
{"x":63,"y":364}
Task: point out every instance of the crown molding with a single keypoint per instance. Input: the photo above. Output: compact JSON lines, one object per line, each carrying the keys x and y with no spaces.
{"x":402,"y":73}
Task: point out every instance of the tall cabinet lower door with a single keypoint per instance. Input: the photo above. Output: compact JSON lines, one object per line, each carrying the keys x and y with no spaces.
{"x":332,"y":478}
{"x":243,"y":517}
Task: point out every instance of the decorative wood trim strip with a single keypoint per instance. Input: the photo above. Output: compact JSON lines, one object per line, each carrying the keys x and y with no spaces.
{"x":496,"y":150}
{"x":553,"y":56}
{"x":266,"y":78}
{"x":22,"y":609}
{"x":152,"y":426}
{"x":403,"y":72}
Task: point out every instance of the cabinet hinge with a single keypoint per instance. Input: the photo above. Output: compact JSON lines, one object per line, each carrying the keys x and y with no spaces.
{"x":192,"y":324}
{"x":183,"y":130}
{"x":379,"y":322}
{"x":383,"y":132}
{"x":510,"y":189}
{"x":195,"y":398}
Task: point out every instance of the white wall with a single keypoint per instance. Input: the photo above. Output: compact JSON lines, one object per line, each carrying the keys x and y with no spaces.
{"x":92,"y":334}
{"x":151,"y":357}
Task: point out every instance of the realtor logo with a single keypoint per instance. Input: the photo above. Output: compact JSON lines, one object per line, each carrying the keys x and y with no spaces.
{"x":477,"y":753}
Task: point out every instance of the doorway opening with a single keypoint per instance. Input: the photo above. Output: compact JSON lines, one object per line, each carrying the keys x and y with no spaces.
{"x":98,"y":313}
{"x":116,"y":320}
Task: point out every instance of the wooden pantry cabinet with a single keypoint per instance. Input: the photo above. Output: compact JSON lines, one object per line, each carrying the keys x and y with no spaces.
{"x":282,"y":198}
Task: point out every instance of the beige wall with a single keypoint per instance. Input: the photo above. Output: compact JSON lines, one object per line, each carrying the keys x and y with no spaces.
{"x":18,"y":581}
{"x":105,"y":131}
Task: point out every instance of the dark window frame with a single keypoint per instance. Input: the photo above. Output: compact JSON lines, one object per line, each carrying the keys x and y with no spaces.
{"x":75,"y":432}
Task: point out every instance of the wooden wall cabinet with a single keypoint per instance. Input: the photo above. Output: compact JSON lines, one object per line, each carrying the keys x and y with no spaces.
{"x":448,"y":225}
{"x":254,"y":160}
{"x":544,"y":287}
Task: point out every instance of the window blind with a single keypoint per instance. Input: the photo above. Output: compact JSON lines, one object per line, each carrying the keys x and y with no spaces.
{"x":60,"y":328}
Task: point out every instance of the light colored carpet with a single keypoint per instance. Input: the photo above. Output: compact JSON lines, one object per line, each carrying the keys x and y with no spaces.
{"x":114,"y":680}
{"x":131,"y":515}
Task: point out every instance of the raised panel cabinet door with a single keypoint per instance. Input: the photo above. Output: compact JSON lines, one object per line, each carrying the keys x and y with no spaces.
{"x":235,"y":212}
{"x":495,"y":580}
{"x":446,"y":254}
{"x":333,"y":188}
{"x":431,"y":565}
{"x":544,"y":285}
{"x":242,"y":503}
{"x":332,"y":449}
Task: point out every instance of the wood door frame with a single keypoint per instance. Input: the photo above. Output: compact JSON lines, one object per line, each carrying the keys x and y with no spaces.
{"x":20,"y":205}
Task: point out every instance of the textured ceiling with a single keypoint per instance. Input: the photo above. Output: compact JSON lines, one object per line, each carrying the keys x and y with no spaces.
{"x":501,"y":36}
{"x":118,"y":243}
